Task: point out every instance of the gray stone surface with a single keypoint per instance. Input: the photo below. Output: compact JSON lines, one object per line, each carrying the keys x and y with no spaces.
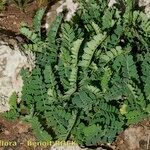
{"x":11,"y":62}
{"x":146,"y":4}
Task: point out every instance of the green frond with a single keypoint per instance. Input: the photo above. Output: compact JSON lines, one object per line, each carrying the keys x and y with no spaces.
{"x":49,"y":79}
{"x":74,"y":61}
{"x":13,"y":100}
{"x":135,"y":116}
{"x":112,"y":54}
{"x":75,"y":50}
{"x":146,"y":75}
{"x":51,"y":39}
{"x":37,"y":21}
{"x":83,"y":101}
{"x":96,"y":28}
{"x":73,"y":76}
{"x":13,"y":113}
{"x":134,"y":95}
{"x":31,"y":35}
{"x":53,"y":29}
{"x":35,"y":94}
{"x":38,"y":130}
{"x":145,"y":24}
{"x":60,"y":121}
{"x":129,"y":69}
{"x":37,"y":47}
{"x":105,"y":79}
{"x":107,"y":19}
{"x":90,"y":49}
{"x":114,"y":93}
{"x":96,"y":91}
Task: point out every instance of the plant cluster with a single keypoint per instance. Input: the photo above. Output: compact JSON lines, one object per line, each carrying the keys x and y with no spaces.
{"x":92,"y":75}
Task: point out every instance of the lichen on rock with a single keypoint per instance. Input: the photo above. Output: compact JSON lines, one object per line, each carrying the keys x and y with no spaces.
{"x":11,"y":62}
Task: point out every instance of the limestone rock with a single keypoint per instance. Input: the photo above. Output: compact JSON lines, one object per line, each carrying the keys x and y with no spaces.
{"x":135,"y":137}
{"x":59,"y":7}
{"x":111,"y":3}
{"x":11,"y":62}
{"x":146,"y":4}
{"x":71,"y":8}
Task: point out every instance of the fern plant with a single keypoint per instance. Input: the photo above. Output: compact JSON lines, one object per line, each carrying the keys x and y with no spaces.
{"x":90,"y":81}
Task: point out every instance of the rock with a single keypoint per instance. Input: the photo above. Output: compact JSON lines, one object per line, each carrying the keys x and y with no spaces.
{"x":111,"y":3}
{"x":143,"y":2}
{"x":71,"y":8}
{"x":71,"y":146}
{"x":146,"y":4}
{"x":136,"y":137}
{"x":11,"y":62}
{"x":59,"y":7}
{"x":66,"y":147}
